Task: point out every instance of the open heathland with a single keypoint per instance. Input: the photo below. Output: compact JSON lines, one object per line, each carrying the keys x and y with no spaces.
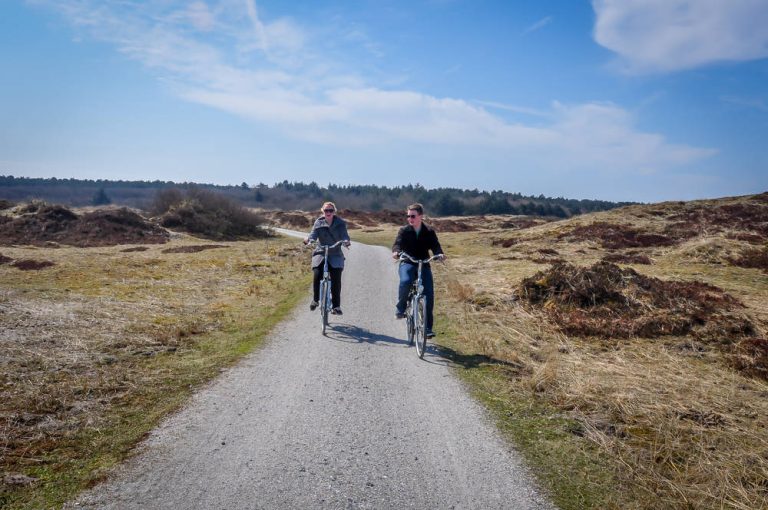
{"x":99,"y":343}
{"x":624,"y":351}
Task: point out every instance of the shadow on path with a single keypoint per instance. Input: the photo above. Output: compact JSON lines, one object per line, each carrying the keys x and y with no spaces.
{"x":468,"y":361}
{"x":347,"y":333}
{"x":435,"y":354}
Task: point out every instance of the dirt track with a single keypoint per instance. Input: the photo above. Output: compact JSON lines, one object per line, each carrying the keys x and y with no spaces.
{"x":351,"y":420}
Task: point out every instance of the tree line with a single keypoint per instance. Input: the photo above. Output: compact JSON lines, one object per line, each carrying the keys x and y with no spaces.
{"x":288,"y":195}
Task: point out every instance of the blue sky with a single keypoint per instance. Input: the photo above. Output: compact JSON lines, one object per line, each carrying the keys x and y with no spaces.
{"x":641,"y":100}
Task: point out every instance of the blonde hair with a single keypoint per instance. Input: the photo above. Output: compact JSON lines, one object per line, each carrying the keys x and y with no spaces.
{"x":326,"y":204}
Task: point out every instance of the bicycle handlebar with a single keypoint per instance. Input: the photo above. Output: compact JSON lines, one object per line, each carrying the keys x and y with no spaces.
{"x":405,"y":256}
{"x":329,"y":246}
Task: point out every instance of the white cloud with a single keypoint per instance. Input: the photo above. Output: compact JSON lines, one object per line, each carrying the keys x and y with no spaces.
{"x":751,"y":103}
{"x":603,"y":135}
{"x":514,"y":108}
{"x":672,"y":35}
{"x":198,"y":14}
{"x":225,"y":56}
{"x":537,"y":26}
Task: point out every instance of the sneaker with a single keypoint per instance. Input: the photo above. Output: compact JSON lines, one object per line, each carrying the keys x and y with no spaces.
{"x":429,"y":334}
{"x":399,"y":315}
{"x":313,"y":305}
{"x":336,"y":311}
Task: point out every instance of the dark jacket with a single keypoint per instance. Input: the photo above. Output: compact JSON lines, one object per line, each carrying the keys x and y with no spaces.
{"x":329,"y":234}
{"x":417,"y":246}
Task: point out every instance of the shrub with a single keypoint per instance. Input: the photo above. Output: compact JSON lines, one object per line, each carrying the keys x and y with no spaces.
{"x":607,"y":301}
{"x":752,"y":258}
{"x":208,"y":214}
{"x":751,"y":357}
{"x":614,"y":236}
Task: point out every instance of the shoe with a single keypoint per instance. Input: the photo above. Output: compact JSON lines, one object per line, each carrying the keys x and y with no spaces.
{"x":336,"y":311}
{"x":313,"y":305}
{"x":399,"y":315}
{"x":429,"y":334}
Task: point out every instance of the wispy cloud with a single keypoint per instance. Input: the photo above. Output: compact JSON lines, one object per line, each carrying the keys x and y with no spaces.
{"x":604,"y":134}
{"x":513,"y":108}
{"x":747,"y":102}
{"x":224,"y":55}
{"x":537,"y":26}
{"x":672,"y":35}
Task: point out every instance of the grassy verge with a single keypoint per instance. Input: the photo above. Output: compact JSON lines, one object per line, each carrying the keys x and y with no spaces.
{"x":102,"y":345}
{"x":575,"y":473}
{"x":630,"y":423}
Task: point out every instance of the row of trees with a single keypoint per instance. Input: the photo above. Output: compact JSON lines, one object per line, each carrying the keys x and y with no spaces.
{"x":439,"y":201}
{"x":299,"y":195}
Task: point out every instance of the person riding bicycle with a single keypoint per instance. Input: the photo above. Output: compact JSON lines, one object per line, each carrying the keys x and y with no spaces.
{"x":327,"y":230}
{"x":416,"y":239}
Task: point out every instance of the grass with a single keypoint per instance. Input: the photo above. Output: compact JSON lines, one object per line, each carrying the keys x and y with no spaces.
{"x":624,"y":423}
{"x":99,"y":347}
{"x":103,"y":343}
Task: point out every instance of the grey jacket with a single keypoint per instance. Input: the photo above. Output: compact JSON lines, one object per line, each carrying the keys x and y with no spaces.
{"x":329,"y":234}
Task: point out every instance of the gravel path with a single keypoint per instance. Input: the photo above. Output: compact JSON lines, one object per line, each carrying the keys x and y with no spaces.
{"x":351,"y":420}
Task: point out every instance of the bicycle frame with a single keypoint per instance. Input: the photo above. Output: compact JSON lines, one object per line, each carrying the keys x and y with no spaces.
{"x":325,"y":285}
{"x":416,"y":308}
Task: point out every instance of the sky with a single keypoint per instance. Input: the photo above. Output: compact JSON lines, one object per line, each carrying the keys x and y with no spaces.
{"x":623,"y":100}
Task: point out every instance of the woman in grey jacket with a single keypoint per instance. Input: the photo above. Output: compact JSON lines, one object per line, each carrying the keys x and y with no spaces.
{"x":327,"y":230}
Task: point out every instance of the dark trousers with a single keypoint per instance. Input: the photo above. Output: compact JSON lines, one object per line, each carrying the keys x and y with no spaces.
{"x":408,"y":274}
{"x":335,"y":284}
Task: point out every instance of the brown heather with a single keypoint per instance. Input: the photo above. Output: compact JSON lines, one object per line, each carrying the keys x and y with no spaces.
{"x":99,"y":343}
{"x":629,"y":386}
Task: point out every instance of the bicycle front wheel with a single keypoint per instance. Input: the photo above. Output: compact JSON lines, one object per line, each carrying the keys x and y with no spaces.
{"x":421,"y":326}
{"x":409,"y":324}
{"x":324,"y":292}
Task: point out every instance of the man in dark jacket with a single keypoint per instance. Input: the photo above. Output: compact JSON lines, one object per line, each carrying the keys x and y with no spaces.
{"x":416,"y":239}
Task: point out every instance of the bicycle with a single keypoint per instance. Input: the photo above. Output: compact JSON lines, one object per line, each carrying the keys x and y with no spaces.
{"x":416,"y":306}
{"x":326,"y":304}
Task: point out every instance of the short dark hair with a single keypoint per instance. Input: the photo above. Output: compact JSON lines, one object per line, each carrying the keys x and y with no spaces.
{"x":416,"y":207}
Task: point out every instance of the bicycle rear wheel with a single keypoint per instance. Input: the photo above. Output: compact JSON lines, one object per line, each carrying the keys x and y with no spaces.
{"x":421,"y":326}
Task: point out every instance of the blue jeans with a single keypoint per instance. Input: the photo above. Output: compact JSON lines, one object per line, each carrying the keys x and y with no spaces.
{"x":408,"y":274}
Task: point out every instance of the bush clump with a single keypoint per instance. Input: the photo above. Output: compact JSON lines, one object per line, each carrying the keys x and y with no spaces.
{"x":752,"y":258}
{"x":628,"y":258}
{"x":607,"y":301}
{"x":614,"y":236}
{"x":38,"y":224}
{"x":751,"y":357}
{"x":207,"y":214}
{"x":747,"y":217}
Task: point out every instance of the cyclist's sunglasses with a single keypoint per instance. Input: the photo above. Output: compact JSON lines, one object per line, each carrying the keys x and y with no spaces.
{"x":329,"y":211}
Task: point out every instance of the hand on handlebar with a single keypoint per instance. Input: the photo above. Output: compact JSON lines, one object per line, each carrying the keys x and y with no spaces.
{"x":404,"y":256}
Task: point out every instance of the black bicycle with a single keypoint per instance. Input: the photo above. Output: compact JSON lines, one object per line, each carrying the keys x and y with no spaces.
{"x":416,"y":307}
{"x":326,"y":304}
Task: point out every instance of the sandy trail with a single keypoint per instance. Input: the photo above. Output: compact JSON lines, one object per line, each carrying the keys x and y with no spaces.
{"x":351,"y":420}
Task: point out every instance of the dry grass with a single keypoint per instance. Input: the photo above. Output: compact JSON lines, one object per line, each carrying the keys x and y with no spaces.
{"x":610,"y":421}
{"x":97,"y":347}
{"x":607,"y":422}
